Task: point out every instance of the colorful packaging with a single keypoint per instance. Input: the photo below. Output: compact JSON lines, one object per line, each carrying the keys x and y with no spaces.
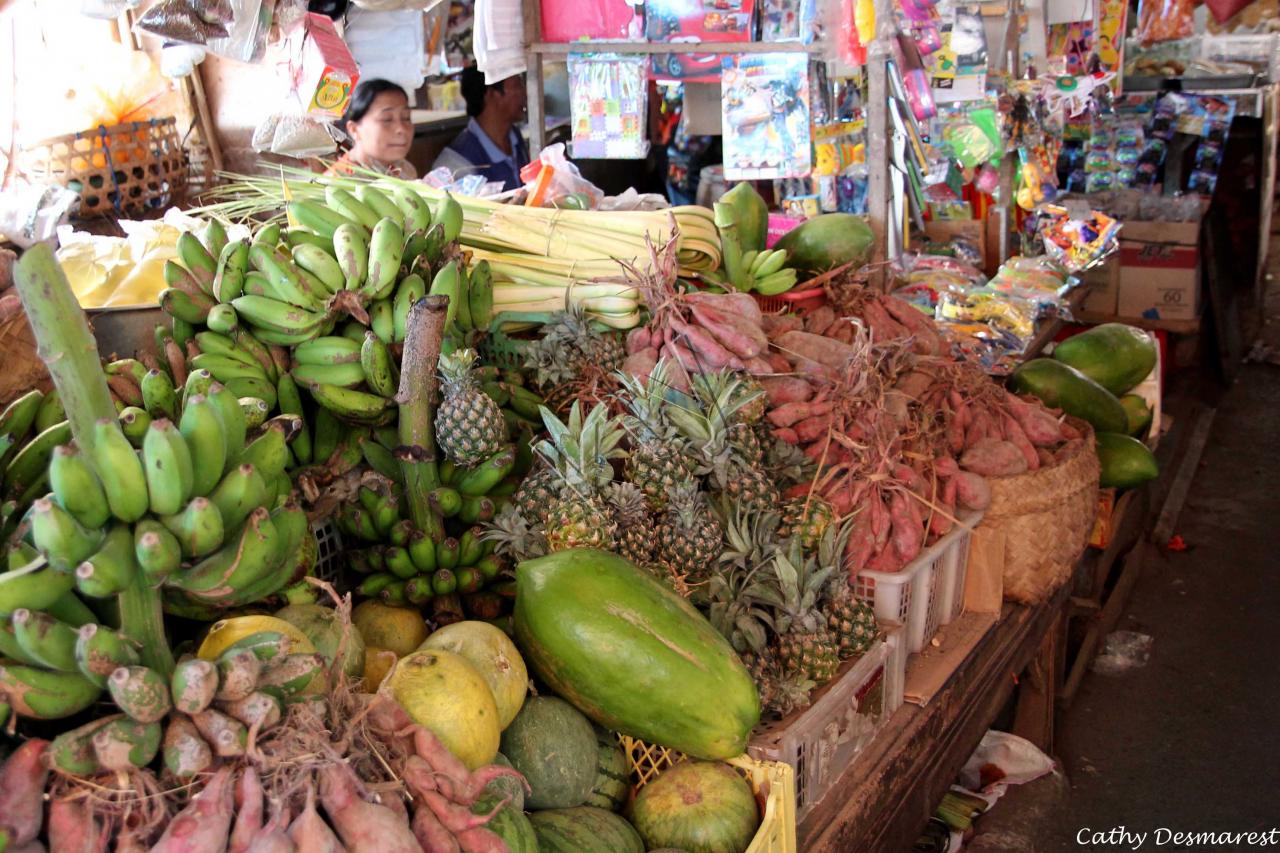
{"x":609,"y":98}
{"x":328,"y":73}
{"x":588,"y":20}
{"x":695,"y":21}
{"x":765,"y":105}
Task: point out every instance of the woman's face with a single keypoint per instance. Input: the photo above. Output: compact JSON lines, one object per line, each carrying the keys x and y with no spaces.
{"x":386,"y":131}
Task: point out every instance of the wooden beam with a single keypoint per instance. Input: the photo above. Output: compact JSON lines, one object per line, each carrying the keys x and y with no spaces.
{"x":1037,"y":689}
{"x":534,"y":85}
{"x":195,"y":91}
{"x":1181,"y":484}
{"x":1106,"y":622}
{"x":878,"y":128}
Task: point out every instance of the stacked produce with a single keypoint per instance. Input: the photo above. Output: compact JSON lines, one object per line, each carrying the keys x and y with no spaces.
{"x":742,"y":219}
{"x":1091,"y":376}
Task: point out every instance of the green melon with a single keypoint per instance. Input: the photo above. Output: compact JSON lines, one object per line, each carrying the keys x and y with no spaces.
{"x":632,"y":655}
{"x":1114,"y":355}
{"x":1061,"y":386}
{"x":584,"y":829}
{"x":554,"y":748}
{"x":509,"y":824}
{"x":612,"y":782}
{"x":827,"y":241}
{"x":1139,"y":414}
{"x":325,"y":631}
{"x":699,"y":806}
{"x":1125,"y":461}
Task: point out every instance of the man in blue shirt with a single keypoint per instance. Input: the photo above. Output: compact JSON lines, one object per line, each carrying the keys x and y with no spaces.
{"x":491,"y":145}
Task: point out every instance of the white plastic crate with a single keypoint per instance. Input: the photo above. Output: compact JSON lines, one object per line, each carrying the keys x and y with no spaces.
{"x":820,"y":741}
{"x":926,"y":594}
{"x":895,"y":679}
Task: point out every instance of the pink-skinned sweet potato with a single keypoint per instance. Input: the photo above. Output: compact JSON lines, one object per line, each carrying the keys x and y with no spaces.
{"x":781,"y":390}
{"x":203,"y":826}
{"x":22,"y":781}
{"x":994,"y":457}
{"x":825,"y":351}
{"x":364,"y":827}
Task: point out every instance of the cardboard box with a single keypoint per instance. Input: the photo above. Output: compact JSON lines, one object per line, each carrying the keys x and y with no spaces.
{"x":328,"y":73}
{"x":1104,"y":287}
{"x":1159,"y":270}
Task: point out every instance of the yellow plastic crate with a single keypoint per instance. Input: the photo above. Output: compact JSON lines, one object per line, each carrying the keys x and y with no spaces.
{"x":773,"y":782}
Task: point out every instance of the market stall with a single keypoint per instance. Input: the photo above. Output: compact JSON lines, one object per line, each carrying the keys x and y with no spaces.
{"x":310,"y":477}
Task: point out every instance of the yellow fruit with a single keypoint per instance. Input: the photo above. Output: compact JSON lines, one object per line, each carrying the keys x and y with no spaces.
{"x":228,"y":631}
{"x":494,"y":656}
{"x":445,"y":693}
{"x":400,"y":629}
{"x":377,"y":663}
{"x":326,"y":632}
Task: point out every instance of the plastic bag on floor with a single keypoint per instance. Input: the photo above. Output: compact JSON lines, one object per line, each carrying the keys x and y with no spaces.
{"x":1123,"y":651}
{"x":1001,"y":760}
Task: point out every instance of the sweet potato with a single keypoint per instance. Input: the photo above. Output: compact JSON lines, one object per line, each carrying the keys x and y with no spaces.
{"x":790,"y":414}
{"x":274,"y":835}
{"x":781,"y":390}
{"x":309,"y":833}
{"x":758,"y":366}
{"x":73,"y":829}
{"x":481,"y":840}
{"x":812,"y":428}
{"x":433,"y":751}
{"x":431,"y":834}
{"x":897,"y":406}
{"x":914,"y":383}
{"x":738,"y":334}
{"x":22,"y":781}
{"x":780,"y":324}
{"x":883,"y":327}
{"x":841,"y":331}
{"x":815,"y":370}
{"x":945,"y":466}
{"x":641,"y":364}
{"x":886,"y":559}
{"x":1069,"y":433}
{"x":786,"y":434}
{"x":1041,"y":428}
{"x":248,"y":811}
{"x":994,"y":457}
{"x":817,"y":320}
{"x":454,"y":817}
{"x":778,"y":362}
{"x":861,"y":542}
{"x":927,"y":339}
{"x":825,"y":351}
{"x":363,"y":827}
{"x":972,"y":491}
{"x":908,"y":527}
{"x":1018,"y":439}
{"x":203,"y":825}
{"x":742,"y":304}
{"x":639,"y":339}
{"x":709,"y":354}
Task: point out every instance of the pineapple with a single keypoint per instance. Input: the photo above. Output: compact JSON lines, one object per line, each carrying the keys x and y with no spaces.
{"x":806,"y":647}
{"x":851,"y":620}
{"x":536,"y":493}
{"x":807,"y":518}
{"x":513,"y":536}
{"x":689,"y":536}
{"x":580,"y":453}
{"x":751,"y":401}
{"x":469,"y":424}
{"x":571,"y":348}
{"x":744,"y":484}
{"x":634,"y":539}
{"x":780,"y":694}
{"x":659,"y":460}
{"x":745,"y":439}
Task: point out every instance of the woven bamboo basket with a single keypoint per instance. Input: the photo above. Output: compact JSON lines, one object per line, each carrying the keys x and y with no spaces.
{"x":23,"y":369}
{"x":1045,"y":517}
{"x":125,"y":169}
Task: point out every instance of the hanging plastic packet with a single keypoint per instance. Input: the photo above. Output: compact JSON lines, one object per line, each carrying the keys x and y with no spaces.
{"x":609,"y":102}
{"x":185,"y":20}
{"x":1077,"y":244}
{"x":1165,"y":20}
{"x":969,"y":143}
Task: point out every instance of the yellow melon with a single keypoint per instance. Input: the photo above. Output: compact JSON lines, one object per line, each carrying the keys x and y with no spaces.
{"x":443,"y":692}
{"x":400,"y":629}
{"x":494,"y":656}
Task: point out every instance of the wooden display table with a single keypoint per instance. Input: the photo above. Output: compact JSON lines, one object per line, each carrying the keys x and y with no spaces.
{"x":886,"y":797}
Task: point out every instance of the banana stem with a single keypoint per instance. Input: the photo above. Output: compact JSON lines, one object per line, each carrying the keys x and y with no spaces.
{"x":424,"y":335}
{"x":70,"y":352}
{"x":142,"y":620}
{"x":64,"y":342}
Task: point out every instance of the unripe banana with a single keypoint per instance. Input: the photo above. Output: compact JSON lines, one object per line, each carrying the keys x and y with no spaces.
{"x":480,"y":479}
{"x":157,"y":551}
{"x":422,"y":550}
{"x":274,"y":315}
{"x":257,"y":350}
{"x":386,"y":250}
{"x":224,"y":368}
{"x":228,"y":738}
{"x":202,"y":428}
{"x":350,"y":404}
{"x":198,"y":382}
{"x":268,"y":234}
{"x":382,"y":320}
{"x":317,"y":217}
{"x":410,"y":289}
{"x":222,"y":318}
{"x":193,"y":685}
{"x":771,"y":264}
{"x":130,"y":367}
{"x":45,"y":640}
{"x":373,"y":585}
{"x":255,"y":411}
{"x":380,"y":203}
{"x":325,"y":435}
{"x":381,"y":460}
{"x":295,"y":237}
{"x":238,"y":673}
{"x":749,"y":258}
{"x":233,"y":263}
{"x":101,"y":651}
{"x":449,"y":215}
{"x":70,"y":609}
{"x":46,"y":694}
{"x":51,"y":412}
{"x":268,"y":453}
{"x":63,"y":541}
{"x":294,"y":674}
{"x":330,"y":349}
{"x":417,"y":213}
{"x":255,"y":553}
{"x":352,"y":251}
{"x":445,"y":500}
{"x":140,"y":692}
{"x":198,"y":528}
{"x":185,"y":306}
{"x":350,"y":206}
{"x":110,"y":569}
{"x":186,"y":753}
{"x":216,"y":344}
{"x":777,"y":282}
{"x":124,"y":745}
{"x":245,"y":386}
{"x":72,"y":752}
{"x":196,"y":258}
{"x":76,"y":487}
{"x":226,"y":401}
{"x":120,"y":471}
{"x":448,"y":282}
{"x":134,"y":423}
{"x":34,"y":586}
{"x":215,"y":237}
{"x":475,"y":510}
{"x":30,"y":464}
{"x":20,"y":415}
{"x":159,"y":397}
{"x":166,"y":459}
{"x":480,"y":295}
{"x":259,"y":710}
{"x":399,"y":563}
{"x":291,"y":403}
{"x":320,"y":264}
{"x":379,"y":368}
{"x":241,"y":491}
{"x":341,"y":375}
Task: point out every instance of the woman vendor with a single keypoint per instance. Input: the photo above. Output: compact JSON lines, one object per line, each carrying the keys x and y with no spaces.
{"x":381,"y":131}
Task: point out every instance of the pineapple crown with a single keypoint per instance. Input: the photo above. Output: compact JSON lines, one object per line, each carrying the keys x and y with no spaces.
{"x":685,"y":502}
{"x":629,"y":501}
{"x":569,"y":336}
{"x":513,"y":536}
{"x":795,"y":588}
{"x":580,"y":450}
{"x":455,"y":367}
{"x":646,"y":403}
{"x":786,"y":463}
{"x":706,"y":417}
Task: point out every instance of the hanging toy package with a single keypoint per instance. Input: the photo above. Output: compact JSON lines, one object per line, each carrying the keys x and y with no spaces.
{"x":1165,"y":20}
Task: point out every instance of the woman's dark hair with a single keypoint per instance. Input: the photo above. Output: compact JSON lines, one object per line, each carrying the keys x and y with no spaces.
{"x":365,"y":94}
{"x":474,"y":89}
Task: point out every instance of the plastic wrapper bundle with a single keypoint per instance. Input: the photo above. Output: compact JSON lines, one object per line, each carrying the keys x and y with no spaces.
{"x":922,"y":279}
{"x":188,"y":20}
{"x":246,"y":40}
{"x":1077,"y":244}
{"x":293,"y":135}
{"x":31,"y":213}
{"x":553,"y":181}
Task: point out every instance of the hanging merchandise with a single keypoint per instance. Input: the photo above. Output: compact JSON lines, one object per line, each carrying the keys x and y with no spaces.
{"x":334,"y":9}
{"x":327,"y":74}
{"x":187,"y":21}
{"x":585,"y":20}
{"x":921,"y":18}
{"x":858,"y":25}
{"x":787,"y":20}
{"x":1165,"y":20}
{"x":912,"y":84}
{"x":1069,"y":96}
{"x":1077,"y":244}
{"x":766,"y":116}
{"x":435,"y":32}
{"x":498,"y":39}
{"x":1070,"y":45}
{"x":387,"y":45}
{"x":178,"y":59}
{"x":958,"y":68}
{"x":695,"y":21}
{"x":608,"y":96}
{"x":247,"y":39}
